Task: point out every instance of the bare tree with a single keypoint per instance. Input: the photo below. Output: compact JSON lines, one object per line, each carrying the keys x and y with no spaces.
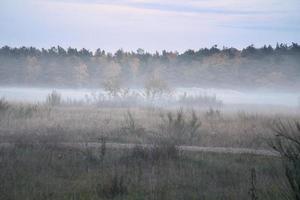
{"x":156,"y":86}
{"x":112,"y":79}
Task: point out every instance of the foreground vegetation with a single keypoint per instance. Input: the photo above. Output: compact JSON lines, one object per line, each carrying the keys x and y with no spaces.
{"x":37,"y":166}
{"x":36,"y":171}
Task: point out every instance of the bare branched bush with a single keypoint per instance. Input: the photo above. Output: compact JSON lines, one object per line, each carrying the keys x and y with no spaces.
{"x":122,"y":98}
{"x":130,"y":126}
{"x":200,"y":101}
{"x":213,"y":117}
{"x":54,"y":99}
{"x":4,"y":106}
{"x":287,"y":143}
{"x":179,"y":128}
{"x":156,"y":87}
{"x":212,"y":114}
{"x":112,"y":86}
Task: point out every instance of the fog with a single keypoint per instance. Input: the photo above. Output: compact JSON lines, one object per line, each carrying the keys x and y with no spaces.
{"x":149,"y":99}
{"x":22,"y":94}
{"x":209,"y":77}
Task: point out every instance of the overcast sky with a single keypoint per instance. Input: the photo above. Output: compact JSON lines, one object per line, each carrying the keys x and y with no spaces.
{"x":148,"y":24}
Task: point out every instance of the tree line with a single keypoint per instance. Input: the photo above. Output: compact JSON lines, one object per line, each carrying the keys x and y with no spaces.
{"x":251,"y":67}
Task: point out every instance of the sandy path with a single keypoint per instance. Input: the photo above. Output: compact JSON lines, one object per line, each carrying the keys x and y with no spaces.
{"x":227,"y":150}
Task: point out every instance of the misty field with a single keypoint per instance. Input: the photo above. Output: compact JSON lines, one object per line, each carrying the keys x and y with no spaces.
{"x":227,"y":96}
{"x":63,"y":151}
{"x":188,"y":126}
{"x":149,"y":100}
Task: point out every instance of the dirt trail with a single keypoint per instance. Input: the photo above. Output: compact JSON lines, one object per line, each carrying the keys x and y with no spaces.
{"x":226,"y":150}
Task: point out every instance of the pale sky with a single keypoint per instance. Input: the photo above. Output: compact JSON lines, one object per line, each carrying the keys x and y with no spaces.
{"x":148,"y":24}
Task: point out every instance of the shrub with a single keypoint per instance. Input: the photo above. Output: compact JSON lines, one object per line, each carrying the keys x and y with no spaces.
{"x":180,"y":129}
{"x":3,"y":104}
{"x":112,"y":86}
{"x":54,"y":99}
{"x":156,"y":87}
{"x":130,"y":126}
{"x":287,"y":143}
{"x":200,"y":101}
{"x":212,"y":114}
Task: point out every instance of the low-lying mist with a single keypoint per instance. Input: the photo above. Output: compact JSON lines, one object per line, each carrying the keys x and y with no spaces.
{"x":183,"y":96}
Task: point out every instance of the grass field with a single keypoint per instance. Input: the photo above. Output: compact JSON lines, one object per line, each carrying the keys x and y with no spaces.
{"x":38,"y":167}
{"x":53,"y":172}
